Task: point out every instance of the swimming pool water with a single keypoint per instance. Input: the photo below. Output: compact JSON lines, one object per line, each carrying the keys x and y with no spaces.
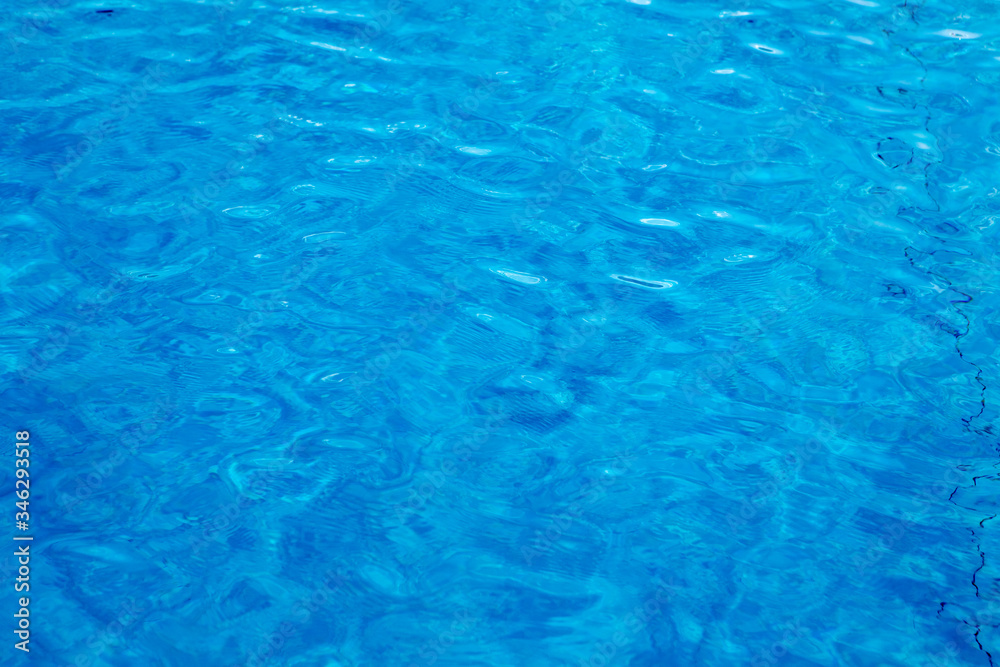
{"x":480,"y":333}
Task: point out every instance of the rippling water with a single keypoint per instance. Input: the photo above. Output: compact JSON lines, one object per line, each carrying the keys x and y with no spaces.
{"x":502,"y":334}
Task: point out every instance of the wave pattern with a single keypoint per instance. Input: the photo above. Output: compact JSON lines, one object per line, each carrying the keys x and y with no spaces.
{"x":585,"y":333}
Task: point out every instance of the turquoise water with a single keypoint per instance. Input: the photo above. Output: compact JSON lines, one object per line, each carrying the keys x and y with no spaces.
{"x":501,"y":334}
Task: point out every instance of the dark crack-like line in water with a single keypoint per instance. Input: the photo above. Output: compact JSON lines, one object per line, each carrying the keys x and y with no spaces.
{"x":982,"y":563}
{"x":979,"y":643}
{"x":957,"y":334}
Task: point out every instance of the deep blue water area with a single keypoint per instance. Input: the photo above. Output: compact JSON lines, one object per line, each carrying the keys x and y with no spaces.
{"x":502,"y":334}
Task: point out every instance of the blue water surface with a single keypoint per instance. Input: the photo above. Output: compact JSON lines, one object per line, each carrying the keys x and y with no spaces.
{"x":583,"y":333}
